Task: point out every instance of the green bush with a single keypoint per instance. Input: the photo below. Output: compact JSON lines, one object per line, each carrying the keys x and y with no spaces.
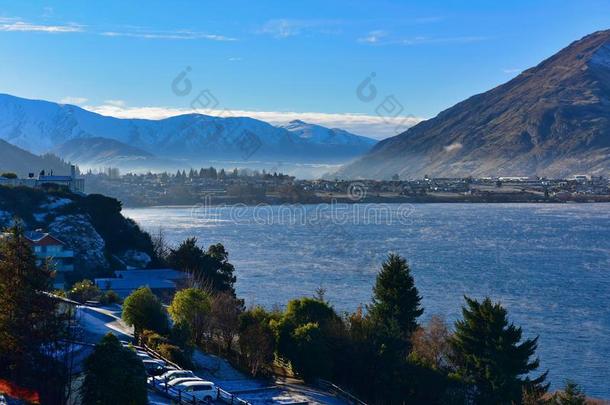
{"x":84,"y":291}
{"x":152,"y":339}
{"x":110,"y":297}
{"x":174,"y":354}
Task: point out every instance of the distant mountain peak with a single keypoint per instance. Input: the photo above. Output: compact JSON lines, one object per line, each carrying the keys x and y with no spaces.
{"x":327,"y":136}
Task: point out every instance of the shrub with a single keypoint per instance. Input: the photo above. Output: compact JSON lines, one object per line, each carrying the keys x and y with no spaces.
{"x":152,"y":339}
{"x":84,"y":290}
{"x":110,"y":297}
{"x":174,"y":354}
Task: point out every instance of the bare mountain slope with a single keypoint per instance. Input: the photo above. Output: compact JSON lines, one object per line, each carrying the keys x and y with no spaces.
{"x":551,"y":120}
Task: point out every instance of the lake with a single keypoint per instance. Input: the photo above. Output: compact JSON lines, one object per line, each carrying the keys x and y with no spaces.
{"x":548,"y":264}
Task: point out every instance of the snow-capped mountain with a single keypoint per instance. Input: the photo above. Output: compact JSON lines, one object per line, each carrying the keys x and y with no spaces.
{"x":41,"y":126}
{"x":329,"y":136}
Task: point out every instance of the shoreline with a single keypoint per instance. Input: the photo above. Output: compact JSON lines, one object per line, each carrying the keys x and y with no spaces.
{"x":350,"y":202}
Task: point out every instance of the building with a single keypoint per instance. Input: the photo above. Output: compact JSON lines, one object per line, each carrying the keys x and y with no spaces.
{"x":163,"y":282}
{"x":47,"y":247}
{"x":74,"y":183}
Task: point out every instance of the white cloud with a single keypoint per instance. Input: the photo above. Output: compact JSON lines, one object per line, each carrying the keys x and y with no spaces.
{"x":373,"y":37}
{"x":176,"y":35}
{"x":284,"y":28}
{"x":281,"y":28}
{"x":362,"y":124}
{"x":73,"y":100}
{"x":383,"y":38}
{"x":15,"y":25}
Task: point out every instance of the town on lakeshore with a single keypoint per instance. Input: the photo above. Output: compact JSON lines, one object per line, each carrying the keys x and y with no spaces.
{"x":220,"y":187}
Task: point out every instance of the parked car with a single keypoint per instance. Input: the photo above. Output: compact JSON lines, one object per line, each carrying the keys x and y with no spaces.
{"x":154,"y":367}
{"x":170,"y":376}
{"x":201,"y":390}
{"x":177,"y":381}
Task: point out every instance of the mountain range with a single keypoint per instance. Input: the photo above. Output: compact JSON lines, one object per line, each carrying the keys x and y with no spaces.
{"x":551,"y":120}
{"x":91,"y":139}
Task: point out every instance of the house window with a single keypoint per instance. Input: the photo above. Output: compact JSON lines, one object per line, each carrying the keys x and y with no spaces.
{"x":53,"y":249}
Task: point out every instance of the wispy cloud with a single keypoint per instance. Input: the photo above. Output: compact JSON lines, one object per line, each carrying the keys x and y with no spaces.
{"x":73,"y":100}
{"x":284,"y":28}
{"x":363,"y":124}
{"x":18,"y":25}
{"x":374,"y":37}
{"x":441,"y":40}
{"x":175,"y":35}
{"x":379,"y":37}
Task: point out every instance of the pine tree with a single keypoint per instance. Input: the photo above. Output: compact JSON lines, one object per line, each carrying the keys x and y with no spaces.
{"x":114,"y":375}
{"x":396,"y":301}
{"x":571,"y":394}
{"x":30,"y":324}
{"x":489,"y":356}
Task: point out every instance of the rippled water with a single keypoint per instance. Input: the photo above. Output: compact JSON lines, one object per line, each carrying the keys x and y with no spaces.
{"x":549,"y":264}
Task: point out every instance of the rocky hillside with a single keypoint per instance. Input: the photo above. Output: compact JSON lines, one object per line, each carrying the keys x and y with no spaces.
{"x":552,"y":120}
{"x":92,"y":226}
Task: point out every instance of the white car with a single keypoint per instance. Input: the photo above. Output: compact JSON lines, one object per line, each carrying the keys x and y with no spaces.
{"x":173,"y":383}
{"x":170,"y":376}
{"x":201,"y":390}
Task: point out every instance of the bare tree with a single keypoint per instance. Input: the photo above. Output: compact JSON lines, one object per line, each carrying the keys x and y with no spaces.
{"x":225,"y":318}
{"x":431,"y":343}
{"x":161,"y":248}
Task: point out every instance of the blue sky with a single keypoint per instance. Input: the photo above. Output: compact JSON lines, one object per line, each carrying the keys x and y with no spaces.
{"x":279,"y":60}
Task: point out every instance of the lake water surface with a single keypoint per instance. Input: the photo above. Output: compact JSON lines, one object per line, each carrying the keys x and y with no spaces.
{"x":548,"y":264}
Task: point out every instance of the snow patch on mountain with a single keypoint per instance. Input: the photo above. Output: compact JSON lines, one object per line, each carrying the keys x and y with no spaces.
{"x":328,"y":136}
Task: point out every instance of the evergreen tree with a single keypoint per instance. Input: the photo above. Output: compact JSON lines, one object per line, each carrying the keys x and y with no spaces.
{"x":310,"y":337}
{"x":209,"y":268}
{"x":489,"y":356}
{"x":114,"y":375}
{"x":31,"y":326}
{"x":396,"y":301}
{"x":571,"y":394}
